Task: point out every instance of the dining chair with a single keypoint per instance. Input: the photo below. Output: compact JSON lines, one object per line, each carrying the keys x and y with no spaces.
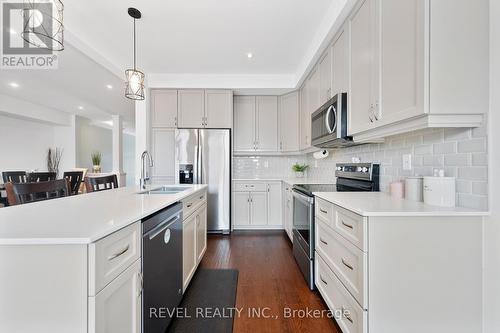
{"x":95,"y":184}
{"x":14,"y":177}
{"x":35,"y":177}
{"x":30,"y":192}
{"x":75,"y":178}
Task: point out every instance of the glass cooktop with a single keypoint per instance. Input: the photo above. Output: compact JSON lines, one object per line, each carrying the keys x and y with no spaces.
{"x":308,"y":189}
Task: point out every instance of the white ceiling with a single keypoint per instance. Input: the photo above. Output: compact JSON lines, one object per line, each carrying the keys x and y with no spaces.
{"x":205,"y":36}
{"x":77,"y":82}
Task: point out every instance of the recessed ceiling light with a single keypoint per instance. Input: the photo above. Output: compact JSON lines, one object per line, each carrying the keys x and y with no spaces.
{"x":109,"y":86}
{"x":14,"y":85}
{"x":250,"y":55}
{"x":80,"y":107}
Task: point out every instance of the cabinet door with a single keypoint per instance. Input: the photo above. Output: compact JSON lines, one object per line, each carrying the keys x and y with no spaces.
{"x":289,"y":122}
{"x":361,"y":29}
{"x":325,"y":77}
{"x":340,"y":63}
{"x":164,"y":108}
{"x":191,"y":109}
{"x":275,"y":204}
{"x":244,"y":123}
{"x":258,"y":208}
{"x":401,"y":61}
{"x":314,"y":100}
{"x":189,"y":258}
{"x":201,"y":232}
{"x":267,"y":123}
{"x":117,"y":308}
{"x":163,"y":149}
{"x":219,"y":108}
{"x":241,"y":208}
{"x":305,"y":119}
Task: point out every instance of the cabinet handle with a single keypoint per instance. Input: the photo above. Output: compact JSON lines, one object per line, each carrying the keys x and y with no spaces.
{"x":347,"y":265}
{"x":346,"y":315}
{"x":323,"y":280}
{"x":141,"y":283}
{"x":323,"y":211}
{"x":322,"y":241}
{"x":116,"y":255}
{"x":347,"y":225}
{"x":201,"y":198}
{"x":189,"y":205}
{"x":175,"y":121}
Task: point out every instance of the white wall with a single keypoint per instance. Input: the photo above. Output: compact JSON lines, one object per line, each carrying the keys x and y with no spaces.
{"x":129,"y":158}
{"x":24,"y":144}
{"x":89,"y":139}
{"x":492,"y":223}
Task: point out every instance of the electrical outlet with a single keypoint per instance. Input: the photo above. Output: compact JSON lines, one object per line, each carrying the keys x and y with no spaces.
{"x":407,"y":162}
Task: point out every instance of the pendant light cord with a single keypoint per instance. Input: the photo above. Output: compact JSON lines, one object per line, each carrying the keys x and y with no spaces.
{"x":134,"y":45}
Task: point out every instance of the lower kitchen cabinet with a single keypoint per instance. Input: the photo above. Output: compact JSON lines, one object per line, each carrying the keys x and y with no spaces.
{"x":194,"y":235}
{"x":257,"y":205}
{"x":288,"y":210}
{"x":117,"y":308}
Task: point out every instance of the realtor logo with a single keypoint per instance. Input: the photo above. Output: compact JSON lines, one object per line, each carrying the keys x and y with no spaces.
{"x":27,"y":35}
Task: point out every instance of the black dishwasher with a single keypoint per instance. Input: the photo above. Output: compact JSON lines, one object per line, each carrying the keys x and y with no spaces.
{"x":161,"y":268}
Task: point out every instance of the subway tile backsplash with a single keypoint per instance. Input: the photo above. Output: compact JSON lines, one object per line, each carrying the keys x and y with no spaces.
{"x":461,"y":152}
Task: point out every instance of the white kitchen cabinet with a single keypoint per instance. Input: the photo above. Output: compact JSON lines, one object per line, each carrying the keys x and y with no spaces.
{"x":259,"y":208}
{"x":201,"y":232}
{"x":325,"y":77}
{"x":117,"y":308}
{"x":218,"y":109}
{"x":164,"y":108}
{"x":188,"y":249}
{"x":289,"y":122}
{"x":305,"y":118}
{"x":256,"y":123}
{"x":409,"y":71}
{"x":288,"y":209}
{"x":267,"y":123}
{"x":241,"y":209}
{"x":274,"y":202}
{"x":362,"y":66}
{"x":244,"y":123}
{"x":314,"y":98}
{"x":163,"y":153}
{"x":191,"y":108}
{"x":340,"y":62}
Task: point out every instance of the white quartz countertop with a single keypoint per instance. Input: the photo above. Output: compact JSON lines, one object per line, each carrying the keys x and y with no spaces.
{"x":382,"y":204}
{"x":290,"y":181}
{"x":82,"y":219}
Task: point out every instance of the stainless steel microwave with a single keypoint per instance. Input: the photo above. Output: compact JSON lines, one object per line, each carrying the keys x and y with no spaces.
{"x":329,"y":124}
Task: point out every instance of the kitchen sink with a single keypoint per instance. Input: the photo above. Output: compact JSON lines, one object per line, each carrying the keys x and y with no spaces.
{"x":166,"y":190}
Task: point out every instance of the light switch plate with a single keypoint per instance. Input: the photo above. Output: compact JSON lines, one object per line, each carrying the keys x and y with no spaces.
{"x":407,"y":162}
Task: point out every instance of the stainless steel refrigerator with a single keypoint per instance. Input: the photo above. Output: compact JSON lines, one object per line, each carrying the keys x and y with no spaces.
{"x":203,"y":156}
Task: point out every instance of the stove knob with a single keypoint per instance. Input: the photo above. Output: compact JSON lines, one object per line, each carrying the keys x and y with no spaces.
{"x":359,"y":169}
{"x":339,"y":168}
{"x":365,"y":169}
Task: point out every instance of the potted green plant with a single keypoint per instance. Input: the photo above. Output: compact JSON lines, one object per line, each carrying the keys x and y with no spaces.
{"x":96,"y":161}
{"x":299,"y":169}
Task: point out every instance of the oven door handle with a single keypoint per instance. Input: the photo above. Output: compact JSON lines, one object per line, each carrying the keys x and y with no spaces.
{"x":305,"y":199}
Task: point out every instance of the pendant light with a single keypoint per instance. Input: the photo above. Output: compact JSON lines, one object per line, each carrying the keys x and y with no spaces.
{"x":43,"y":24}
{"x":134,"y":85}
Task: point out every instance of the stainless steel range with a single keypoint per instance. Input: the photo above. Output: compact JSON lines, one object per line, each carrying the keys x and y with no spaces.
{"x":351,"y":177}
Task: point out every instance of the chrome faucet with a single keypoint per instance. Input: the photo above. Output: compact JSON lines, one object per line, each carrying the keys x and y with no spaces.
{"x":145,"y":175}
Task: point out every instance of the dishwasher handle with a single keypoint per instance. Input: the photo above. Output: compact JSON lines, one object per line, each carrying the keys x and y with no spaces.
{"x":162,"y":226}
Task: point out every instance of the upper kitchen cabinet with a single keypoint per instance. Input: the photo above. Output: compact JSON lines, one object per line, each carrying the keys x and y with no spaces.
{"x":205,"y":108}
{"x":305,"y":118}
{"x":313,"y":91}
{"x":256,"y":123}
{"x":289,"y":122}
{"x":218,"y":108}
{"x":163,"y":108}
{"x":191,"y":108}
{"x":325,"y":77}
{"x":414,"y":66}
{"x":340,"y":62}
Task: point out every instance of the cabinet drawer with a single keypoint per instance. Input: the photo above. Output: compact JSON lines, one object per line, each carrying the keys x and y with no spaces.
{"x":110,"y":256}
{"x":324,"y":210}
{"x":348,"y":314}
{"x":351,"y":226}
{"x":191,"y":203}
{"x":344,"y":259}
{"x":250,"y":187}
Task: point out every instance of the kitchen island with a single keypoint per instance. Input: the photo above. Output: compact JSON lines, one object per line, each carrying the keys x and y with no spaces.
{"x":74,"y":264}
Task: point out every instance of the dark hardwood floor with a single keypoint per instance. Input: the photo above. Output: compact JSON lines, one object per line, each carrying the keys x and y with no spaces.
{"x":269,"y":279}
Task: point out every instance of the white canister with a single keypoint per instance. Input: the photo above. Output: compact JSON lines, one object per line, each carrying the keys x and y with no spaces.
{"x":413,"y":188}
{"x":439,"y":191}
